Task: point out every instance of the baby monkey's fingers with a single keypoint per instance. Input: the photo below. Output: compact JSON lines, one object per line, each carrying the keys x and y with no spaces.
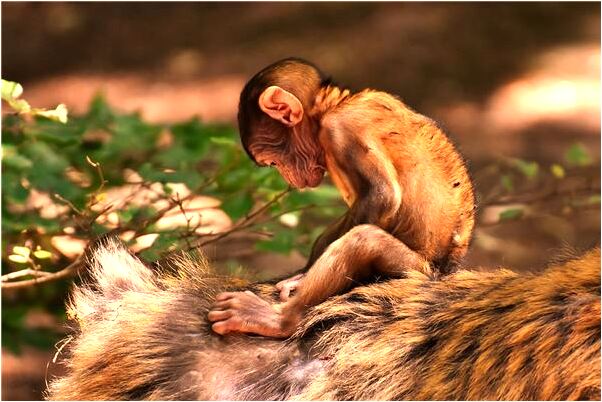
{"x":225,"y":296}
{"x":219,"y":315}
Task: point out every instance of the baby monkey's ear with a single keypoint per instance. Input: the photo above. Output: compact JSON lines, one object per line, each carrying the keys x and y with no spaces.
{"x":281,"y":105}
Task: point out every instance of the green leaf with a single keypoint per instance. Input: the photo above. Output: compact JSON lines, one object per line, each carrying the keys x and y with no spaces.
{"x":234,"y":180}
{"x":42,"y":254}
{"x":529,"y":169}
{"x":13,"y":191}
{"x":48,"y":175}
{"x":11,"y":90}
{"x":99,"y":113}
{"x":511,"y":214}
{"x":557,"y":170}
{"x":126,"y":215}
{"x":322,"y":195}
{"x":507,"y":183}
{"x":11,"y":159}
{"x":18,"y":259}
{"x":57,"y":133}
{"x":20,"y":250}
{"x":239,"y":206}
{"x":282,"y":242}
{"x":13,"y":318}
{"x":43,"y":339}
{"x":577,"y":155}
{"x":223,"y":141}
{"x":166,"y":241}
{"x":58,"y":114}
{"x":193,"y":136}
{"x":266,"y":179}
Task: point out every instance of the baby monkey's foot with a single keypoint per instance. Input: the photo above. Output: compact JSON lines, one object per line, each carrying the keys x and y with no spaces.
{"x":246,"y":312}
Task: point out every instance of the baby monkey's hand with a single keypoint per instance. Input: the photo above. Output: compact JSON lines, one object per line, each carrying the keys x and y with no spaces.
{"x":248,"y":313}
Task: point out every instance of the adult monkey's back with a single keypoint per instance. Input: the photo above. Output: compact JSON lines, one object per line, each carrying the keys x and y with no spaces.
{"x":473,"y":335}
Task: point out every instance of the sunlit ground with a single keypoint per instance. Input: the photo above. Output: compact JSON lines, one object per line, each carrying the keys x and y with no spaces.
{"x":562,"y":88}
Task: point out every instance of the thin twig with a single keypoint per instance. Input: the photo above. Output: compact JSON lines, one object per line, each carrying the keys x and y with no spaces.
{"x":532,"y":216}
{"x":101,"y":175}
{"x":247,"y":221}
{"x":158,"y":215}
{"x":66,"y":272}
{"x":24,"y":272}
{"x":69,"y":203}
{"x":533,"y":197}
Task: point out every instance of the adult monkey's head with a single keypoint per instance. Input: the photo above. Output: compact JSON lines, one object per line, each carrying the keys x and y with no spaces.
{"x":275,"y":127}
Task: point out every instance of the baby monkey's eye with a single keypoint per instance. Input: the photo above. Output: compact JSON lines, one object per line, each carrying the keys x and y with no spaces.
{"x":273,"y":164}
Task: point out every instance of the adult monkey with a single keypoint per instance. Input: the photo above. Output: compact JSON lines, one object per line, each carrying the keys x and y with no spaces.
{"x":142,"y":334}
{"x":394,"y":167}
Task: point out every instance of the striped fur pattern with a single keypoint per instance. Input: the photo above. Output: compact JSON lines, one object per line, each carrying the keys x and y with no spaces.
{"x":473,"y":335}
{"x":142,"y":334}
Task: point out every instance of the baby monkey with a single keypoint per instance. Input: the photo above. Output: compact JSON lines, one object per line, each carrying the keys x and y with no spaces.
{"x":410,"y":198}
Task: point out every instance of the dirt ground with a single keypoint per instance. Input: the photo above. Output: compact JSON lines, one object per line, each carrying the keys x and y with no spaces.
{"x":503,"y":79}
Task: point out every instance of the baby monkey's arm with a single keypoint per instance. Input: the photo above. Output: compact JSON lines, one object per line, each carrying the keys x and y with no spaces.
{"x":364,"y":251}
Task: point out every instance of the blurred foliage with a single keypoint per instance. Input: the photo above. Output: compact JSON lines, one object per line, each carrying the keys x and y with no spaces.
{"x":577,"y":155}
{"x":40,"y":151}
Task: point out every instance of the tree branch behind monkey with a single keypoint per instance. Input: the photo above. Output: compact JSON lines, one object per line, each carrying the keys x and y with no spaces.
{"x":500,"y":335}
{"x":394,"y":168}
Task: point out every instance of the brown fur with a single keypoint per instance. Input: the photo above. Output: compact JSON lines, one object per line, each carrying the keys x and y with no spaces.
{"x":394,"y":168}
{"x":471,"y":335}
{"x":417,"y":178}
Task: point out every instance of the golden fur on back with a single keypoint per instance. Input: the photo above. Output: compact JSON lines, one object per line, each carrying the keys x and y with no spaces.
{"x":424,"y":179}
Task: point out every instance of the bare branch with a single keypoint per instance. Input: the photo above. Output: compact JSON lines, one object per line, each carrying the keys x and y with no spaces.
{"x":101,"y":175}
{"x":24,"y":272}
{"x":66,"y":272}
{"x":69,"y":203}
{"x":547,"y":195}
{"x":246,"y":222}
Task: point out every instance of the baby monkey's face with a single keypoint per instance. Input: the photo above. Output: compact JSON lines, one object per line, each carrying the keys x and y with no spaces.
{"x":295,"y":152}
{"x":299,"y":171}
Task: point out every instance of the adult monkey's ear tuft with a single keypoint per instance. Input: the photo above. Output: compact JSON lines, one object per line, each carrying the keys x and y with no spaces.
{"x":281,"y":105}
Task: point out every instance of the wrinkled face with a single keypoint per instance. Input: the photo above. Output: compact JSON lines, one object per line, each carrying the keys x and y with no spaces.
{"x":298,"y":158}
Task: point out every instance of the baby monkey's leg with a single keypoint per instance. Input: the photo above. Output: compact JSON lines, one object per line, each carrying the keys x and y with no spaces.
{"x":363,"y":252}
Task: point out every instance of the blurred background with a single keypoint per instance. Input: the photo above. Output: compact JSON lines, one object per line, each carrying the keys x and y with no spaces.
{"x":515,"y":85}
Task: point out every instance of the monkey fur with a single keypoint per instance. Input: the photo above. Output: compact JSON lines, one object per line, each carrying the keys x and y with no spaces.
{"x":497,"y":335}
